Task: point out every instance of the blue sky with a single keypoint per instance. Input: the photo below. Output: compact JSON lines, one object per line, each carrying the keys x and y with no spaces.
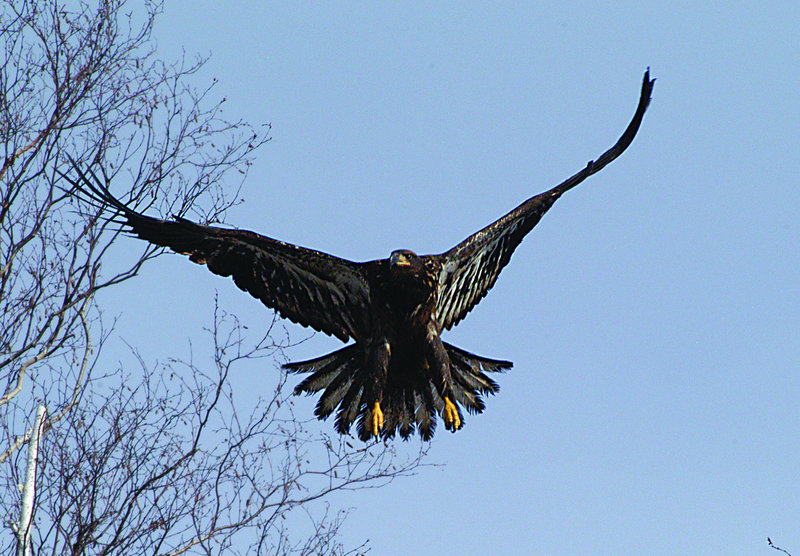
{"x":653,"y":314}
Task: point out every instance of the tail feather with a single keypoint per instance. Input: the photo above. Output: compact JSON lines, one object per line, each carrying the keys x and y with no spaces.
{"x":467,"y":397}
{"x":324,"y":370}
{"x":362,"y":428}
{"x":400,"y":414}
{"x":425,"y":415}
{"x":405,"y":414}
{"x":336,"y":390}
{"x":408,"y":404}
{"x":468,"y":372}
{"x":350,"y":408}
{"x":468,"y":377}
{"x":476,"y":363}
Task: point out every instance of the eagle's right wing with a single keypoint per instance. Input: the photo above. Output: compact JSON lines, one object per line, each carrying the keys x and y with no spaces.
{"x":311,"y":288}
{"x":471,"y":268}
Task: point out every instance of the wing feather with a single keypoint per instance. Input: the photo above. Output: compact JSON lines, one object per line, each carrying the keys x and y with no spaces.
{"x":471,"y":268}
{"x":311,"y":288}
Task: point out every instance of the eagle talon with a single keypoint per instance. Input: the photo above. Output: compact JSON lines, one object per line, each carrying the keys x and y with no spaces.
{"x":450,"y":415}
{"x":377,"y":419}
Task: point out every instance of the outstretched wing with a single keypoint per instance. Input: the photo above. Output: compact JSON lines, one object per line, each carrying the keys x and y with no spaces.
{"x":311,"y":288}
{"x":471,"y":268}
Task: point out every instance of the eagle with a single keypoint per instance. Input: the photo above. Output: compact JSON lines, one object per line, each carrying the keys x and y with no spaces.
{"x":395,"y":374}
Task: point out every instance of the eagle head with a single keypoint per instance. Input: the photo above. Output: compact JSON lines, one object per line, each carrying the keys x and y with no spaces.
{"x":403,"y":259}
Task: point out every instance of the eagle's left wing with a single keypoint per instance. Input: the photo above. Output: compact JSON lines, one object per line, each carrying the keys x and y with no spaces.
{"x":311,"y":288}
{"x":471,"y":268}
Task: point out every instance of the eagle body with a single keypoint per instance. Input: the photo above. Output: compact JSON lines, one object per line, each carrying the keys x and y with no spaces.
{"x":395,"y":373}
{"x":403,"y":365}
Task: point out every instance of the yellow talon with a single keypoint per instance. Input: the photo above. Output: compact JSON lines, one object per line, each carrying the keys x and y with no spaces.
{"x":377,"y":419}
{"x":450,"y":415}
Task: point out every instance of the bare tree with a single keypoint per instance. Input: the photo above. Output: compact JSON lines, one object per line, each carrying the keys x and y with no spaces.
{"x":172,"y":465}
{"x":157,"y":459}
{"x":86,"y":84}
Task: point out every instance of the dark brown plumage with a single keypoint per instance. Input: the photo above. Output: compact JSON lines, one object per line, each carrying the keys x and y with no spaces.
{"x":398,"y":373}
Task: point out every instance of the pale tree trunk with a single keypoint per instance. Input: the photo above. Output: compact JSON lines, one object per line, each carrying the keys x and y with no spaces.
{"x":29,"y":488}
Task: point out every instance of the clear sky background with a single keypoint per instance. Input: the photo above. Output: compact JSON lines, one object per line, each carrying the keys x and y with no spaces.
{"x":652,"y":316}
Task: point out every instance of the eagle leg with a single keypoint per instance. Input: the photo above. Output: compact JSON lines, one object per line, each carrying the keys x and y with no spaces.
{"x":438,"y":362}
{"x":452,"y":421}
{"x":377,"y":363}
{"x":377,"y":419}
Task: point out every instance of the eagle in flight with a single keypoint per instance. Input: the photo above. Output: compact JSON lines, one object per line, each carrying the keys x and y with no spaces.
{"x":398,"y":373}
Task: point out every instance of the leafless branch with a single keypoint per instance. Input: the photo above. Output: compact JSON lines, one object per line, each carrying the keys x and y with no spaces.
{"x":776,"y":547}
{"x":171,"y":463}
{"x":84,"y":81}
